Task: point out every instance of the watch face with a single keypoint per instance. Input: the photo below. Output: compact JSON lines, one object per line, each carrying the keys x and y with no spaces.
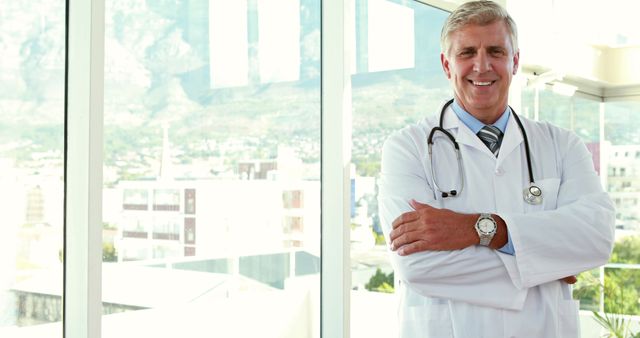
{"x":486,"y":225}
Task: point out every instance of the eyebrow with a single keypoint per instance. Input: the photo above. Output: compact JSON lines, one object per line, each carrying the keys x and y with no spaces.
{"x":466,"y":49}
{"x":473,"y":49}
{"x":496,"y":48}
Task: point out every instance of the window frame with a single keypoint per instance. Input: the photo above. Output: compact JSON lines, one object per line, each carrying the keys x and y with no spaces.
{"x":335,"y":273}
{"x":84,"y":101}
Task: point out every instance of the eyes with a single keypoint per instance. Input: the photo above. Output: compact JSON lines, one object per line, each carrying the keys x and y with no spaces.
{"x":496,"y":52}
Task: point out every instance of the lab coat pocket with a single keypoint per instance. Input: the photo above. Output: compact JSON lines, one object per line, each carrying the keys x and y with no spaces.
{"x":568,"y":321}
{"x":549,"y":187}
{"x":427,"y":321}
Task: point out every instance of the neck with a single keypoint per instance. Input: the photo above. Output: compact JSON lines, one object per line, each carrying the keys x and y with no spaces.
{"x":487,"y":116}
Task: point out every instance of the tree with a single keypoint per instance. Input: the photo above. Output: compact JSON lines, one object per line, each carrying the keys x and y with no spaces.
{"x":627,"y":251}
{"x":621,"y":290}
{"x":109,"y":253}
{"x":381,"y":282}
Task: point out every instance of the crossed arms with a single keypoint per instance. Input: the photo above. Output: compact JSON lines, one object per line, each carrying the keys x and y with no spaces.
{"x":435,"y":251}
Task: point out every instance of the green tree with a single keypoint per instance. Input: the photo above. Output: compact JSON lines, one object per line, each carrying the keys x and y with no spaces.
{"x":621,"y":290}
{"x":620,"y":300}
{"x":627,"y":251}
{"x":109,"y":253}
{"x":380,"y":282}
{"x":587,"y":290}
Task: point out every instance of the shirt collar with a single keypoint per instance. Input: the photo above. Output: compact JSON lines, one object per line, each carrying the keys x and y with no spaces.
{"x":474,"y":124}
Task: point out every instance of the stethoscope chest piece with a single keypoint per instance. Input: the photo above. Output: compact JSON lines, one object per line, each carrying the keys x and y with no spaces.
{"x":532,"y":194}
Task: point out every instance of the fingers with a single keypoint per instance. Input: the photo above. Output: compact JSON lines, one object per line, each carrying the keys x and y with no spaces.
{"x":405,"y":218}
{"x":393,"y":235}
{"x":404,"y":234}
{"x":570,"y":279}
{"x":397,"y":233}
{"x":411,"y":215}
{"x":413,"y":247}
{"x":402,"y":239}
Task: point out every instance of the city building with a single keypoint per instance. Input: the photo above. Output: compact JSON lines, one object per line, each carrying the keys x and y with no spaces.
{"x":623,"y":184}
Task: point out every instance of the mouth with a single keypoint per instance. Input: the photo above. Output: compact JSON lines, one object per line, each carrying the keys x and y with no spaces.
{"x":481,"y":83}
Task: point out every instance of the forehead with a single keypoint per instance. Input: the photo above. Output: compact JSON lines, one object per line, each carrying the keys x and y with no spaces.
{"x":473,"y":35}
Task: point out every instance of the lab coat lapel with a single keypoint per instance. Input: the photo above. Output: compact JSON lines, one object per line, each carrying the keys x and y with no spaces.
{"x":464,"y":135}
{"x":511,"y":140}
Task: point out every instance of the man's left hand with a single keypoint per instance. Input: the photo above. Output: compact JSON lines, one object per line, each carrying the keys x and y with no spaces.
{"x":430,"y":229}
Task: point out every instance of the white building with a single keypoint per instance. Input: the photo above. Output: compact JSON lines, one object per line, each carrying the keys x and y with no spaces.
{"x":215,"y":218}
{"x":623,"y":184}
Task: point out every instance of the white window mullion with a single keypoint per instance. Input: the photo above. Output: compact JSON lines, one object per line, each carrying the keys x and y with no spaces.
{"x":83,"y":169}
{"x":336,"y":159}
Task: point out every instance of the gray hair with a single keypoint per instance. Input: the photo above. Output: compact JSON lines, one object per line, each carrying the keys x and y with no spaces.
{"x":481,"y":13}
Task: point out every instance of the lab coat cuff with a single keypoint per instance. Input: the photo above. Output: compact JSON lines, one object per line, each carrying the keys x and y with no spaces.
{"x":510,"y":260}
{"x":508,"y":248}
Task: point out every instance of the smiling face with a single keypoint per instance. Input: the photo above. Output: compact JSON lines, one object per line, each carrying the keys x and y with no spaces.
{"x":480,"y":63}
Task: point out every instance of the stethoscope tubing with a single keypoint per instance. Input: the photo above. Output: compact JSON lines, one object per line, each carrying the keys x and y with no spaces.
{"x":441,"y":129}
{"x":526,"y":145}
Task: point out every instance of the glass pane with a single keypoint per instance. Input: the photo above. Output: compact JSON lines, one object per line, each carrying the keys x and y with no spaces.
{"x":390,"y":91}
{"x":622,"y":130}
{"x":617,"y":157}
{"x":32,"y":75}
{"x":582,"y":116}
{"x":575,"y":113}
{"x":212,"y":169}
{"x":622,"y":289}
{"x":622,"y":278}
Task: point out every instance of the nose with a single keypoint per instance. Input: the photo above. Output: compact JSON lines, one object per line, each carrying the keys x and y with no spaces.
{"x":481,"y":62}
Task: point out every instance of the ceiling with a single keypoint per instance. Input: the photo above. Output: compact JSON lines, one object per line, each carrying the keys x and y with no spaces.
{"x":591,"y":44}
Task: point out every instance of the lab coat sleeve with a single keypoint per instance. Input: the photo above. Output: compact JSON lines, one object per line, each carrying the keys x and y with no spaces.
{"x":474,"y":275}
{"x":576,"y":235}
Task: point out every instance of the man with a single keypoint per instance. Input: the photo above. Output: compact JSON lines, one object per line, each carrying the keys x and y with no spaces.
{"x":475,"y":255}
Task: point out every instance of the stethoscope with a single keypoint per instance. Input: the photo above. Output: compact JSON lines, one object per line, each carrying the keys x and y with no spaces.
{"x":532,"y":194}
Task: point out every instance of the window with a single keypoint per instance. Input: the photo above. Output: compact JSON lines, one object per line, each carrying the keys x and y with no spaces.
{"x":293,"y":225}
{"x":220,"y":100}
{"x":292,"y":199}
{"x":32,"y":84}
{"x":190,"y":201}
{"x":135,"y":199}
{"x":166,"y":200}
{"x":134,"y":227}
{"x":190,"y":230}
{"x":212,"y":135}
{"x":390,"y":91}
{"x":166,"y":228}
{"x":621,"y":139}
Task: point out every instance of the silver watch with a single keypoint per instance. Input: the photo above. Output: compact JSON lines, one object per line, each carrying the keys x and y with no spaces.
{"x":486,"y":227}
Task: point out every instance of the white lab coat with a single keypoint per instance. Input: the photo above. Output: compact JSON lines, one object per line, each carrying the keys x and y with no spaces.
{"x":478,"y":292}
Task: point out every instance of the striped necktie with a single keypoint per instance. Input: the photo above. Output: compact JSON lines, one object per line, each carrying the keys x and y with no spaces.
{"x":491,"y":136}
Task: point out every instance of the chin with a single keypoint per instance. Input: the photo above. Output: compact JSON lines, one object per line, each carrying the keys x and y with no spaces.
{"x":482,"y":104}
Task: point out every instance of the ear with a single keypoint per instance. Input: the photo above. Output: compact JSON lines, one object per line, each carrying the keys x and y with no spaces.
{"x":445,"y":65}
{"x":516,"y":62}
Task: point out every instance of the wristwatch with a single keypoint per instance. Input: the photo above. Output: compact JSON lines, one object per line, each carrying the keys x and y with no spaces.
{"x":486,"y":227}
